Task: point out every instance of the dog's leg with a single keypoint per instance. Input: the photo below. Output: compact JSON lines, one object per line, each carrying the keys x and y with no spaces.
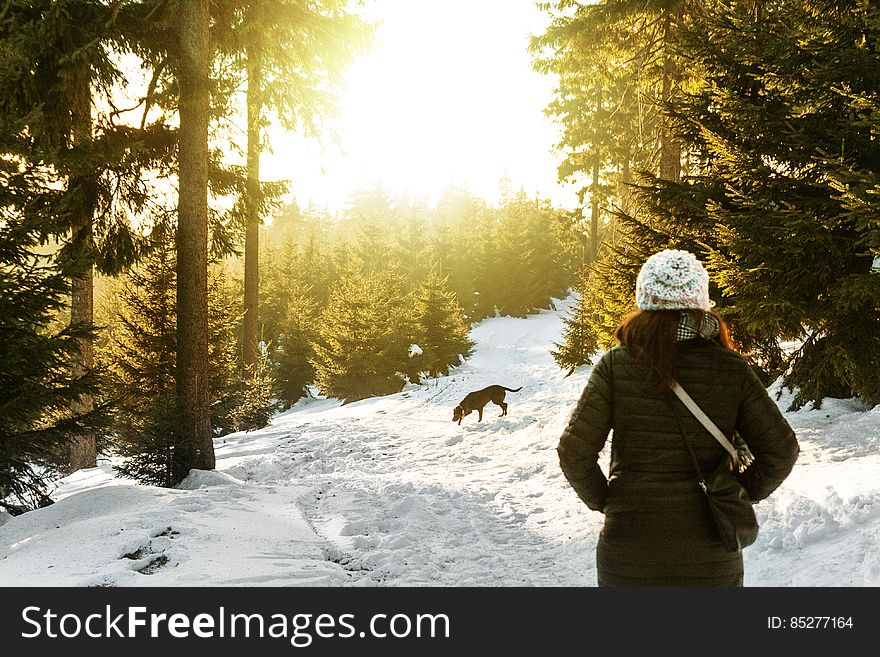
{"x":503,"y":409}
{"x":480,"y":410}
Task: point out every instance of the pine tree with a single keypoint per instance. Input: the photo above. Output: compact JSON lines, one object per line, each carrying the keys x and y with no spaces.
{"x":255,"y":395}
{"x":523,"y":259}
{"x":619,"y":64}
{"x":295,"y":281}
{"x":294,"y":370}
{"x":411,"y":249}
{"x":58,"y":74}
{"x":459,"y":217}
{"x":292,"y":53}
{"x":615,"y":61}
{"x":362,"y":346}
{"x":315,"y":266}
{"x":278,"y":268}
{"x":785,"y":204}
{"x":290,"y":310}
{"x":233,"y":385}
{"x":289,"y":225}
{"x":141,"y":356}
{"x":487,"y":264}
{"x":439,"y":327}
{"x":37,"y":381}
{"x":516,"y":287}
{"x":579,"y":341}
{"x":780,"y":196}
{"x":371,"y":221}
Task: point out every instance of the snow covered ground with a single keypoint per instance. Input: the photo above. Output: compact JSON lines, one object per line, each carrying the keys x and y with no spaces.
{"x":389,"y":491}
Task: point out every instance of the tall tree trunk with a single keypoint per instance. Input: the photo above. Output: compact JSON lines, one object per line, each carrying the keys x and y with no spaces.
{"x":252,"y":234}
{"x":594,"y":195}
{"x":670,"y":145}
{"x":195,"y":447}
{"x":594,"y":210}
{"x":625,"y":181}
{"x":82,"y":452}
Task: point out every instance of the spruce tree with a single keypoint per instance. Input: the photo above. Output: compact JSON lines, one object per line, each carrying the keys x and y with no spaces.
{"x":487,"y":264}
{"x":294,"y":353}
{"x":255,"y":394}
{"x":315,"y":266}
{"x":579,"y":342}
{"x":59,"y":78}
{"x":784,"y":205}
{"x":141,"y":357}
{"x":534,"y":247}
{"x":278,"y":265}
{"x":411,"y":248}
{"x":617,"y":62}
{"x":362,"y":345}
{"x":439,"y":327}
{"x":241,"y":395}
{"x":459,"y":231}
{"x":779,"y":199}
{"x":515,"y":287}
{"x":37,"y":381}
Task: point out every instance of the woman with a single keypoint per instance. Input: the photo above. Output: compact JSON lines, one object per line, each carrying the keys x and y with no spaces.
{"x":658,"y":530}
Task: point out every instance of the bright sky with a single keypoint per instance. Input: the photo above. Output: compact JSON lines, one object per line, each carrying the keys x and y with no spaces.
{"x":446,"y":95}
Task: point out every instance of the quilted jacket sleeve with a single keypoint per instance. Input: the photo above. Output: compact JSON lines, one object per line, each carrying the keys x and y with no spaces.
{"x":770,"y":438}
{"x":585,"y":436}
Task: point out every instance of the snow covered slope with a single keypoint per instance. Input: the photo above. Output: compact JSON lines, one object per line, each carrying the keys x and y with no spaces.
{"x":389,"y":491}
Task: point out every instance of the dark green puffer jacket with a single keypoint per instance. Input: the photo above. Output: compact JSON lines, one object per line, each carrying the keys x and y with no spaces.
{"x":658,"y":531}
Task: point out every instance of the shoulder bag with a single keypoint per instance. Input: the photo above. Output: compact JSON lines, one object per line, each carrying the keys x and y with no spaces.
{"x":729,"y":504}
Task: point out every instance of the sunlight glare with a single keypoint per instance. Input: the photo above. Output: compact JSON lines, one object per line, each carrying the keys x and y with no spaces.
{"x":446,"y":96}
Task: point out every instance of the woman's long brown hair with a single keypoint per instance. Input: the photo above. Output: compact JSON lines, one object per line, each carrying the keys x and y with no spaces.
{"x":650,"y":337}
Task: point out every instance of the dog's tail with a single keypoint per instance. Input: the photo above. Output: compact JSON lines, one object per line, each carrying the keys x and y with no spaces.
{"x":512,"y":390}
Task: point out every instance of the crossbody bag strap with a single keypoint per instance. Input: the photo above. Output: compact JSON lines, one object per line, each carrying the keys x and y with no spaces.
{"x":690,"y":451}
{"x":710,"y":426}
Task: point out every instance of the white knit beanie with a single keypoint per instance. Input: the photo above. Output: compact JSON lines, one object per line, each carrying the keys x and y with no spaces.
{"x":672,"y":280}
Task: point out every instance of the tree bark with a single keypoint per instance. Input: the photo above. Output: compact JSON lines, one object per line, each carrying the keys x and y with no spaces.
{"x":625,"y":180}
{"x":670,"y":145}
{"x":594,"y":210}
{"x":194,"y":443}
{"x":252,"y":231}
{"x":82,"y":451}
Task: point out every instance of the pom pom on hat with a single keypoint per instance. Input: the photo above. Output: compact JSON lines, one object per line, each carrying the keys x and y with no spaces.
{"x":671,"y":280}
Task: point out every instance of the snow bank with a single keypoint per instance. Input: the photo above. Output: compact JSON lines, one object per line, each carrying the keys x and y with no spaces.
{"x":214,"y":532}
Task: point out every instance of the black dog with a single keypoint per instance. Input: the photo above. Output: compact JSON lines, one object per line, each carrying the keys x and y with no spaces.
{"x":476,"y":400}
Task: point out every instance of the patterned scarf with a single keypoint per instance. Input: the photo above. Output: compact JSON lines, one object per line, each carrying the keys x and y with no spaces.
{"x":696,"y":325}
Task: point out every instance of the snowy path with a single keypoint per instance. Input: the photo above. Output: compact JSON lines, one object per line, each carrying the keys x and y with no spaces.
{"x":405,"y":496}
{"x":389,"y":491}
